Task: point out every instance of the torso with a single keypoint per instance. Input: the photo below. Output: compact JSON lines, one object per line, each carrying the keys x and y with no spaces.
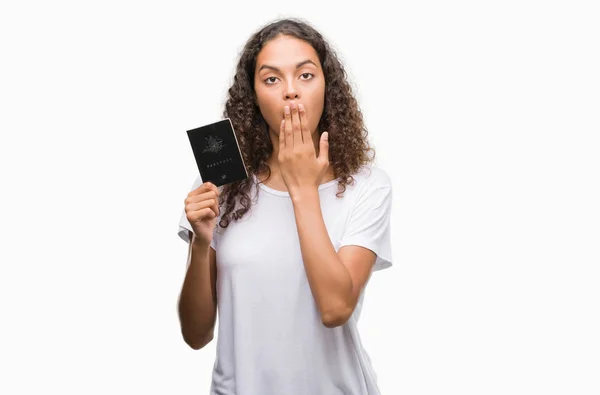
{"x":271,"y":339}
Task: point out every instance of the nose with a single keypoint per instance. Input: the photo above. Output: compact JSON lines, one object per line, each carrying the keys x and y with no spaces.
{"x":290,"y":92}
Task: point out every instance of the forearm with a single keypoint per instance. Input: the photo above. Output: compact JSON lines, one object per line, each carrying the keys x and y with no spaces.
{"x":197,"y":303}
{"x":329,"y":280}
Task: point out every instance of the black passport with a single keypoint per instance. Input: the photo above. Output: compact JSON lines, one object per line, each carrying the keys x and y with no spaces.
{"x":217,"y":153}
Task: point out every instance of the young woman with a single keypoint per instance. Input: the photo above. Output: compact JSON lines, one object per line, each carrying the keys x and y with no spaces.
{"x":287,"y":265}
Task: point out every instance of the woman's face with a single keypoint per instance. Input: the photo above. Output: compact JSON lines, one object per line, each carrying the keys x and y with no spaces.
{"x":288,"y":71}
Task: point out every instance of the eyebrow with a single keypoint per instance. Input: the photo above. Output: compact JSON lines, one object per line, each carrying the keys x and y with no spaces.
{"x":266,"y":66}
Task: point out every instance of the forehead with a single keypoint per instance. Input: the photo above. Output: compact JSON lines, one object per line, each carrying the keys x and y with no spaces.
{"x":284,"y":51}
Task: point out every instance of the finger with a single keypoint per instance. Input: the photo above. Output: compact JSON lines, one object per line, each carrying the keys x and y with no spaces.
{"x":296,"y":128}
{"x":211,"y":194}
{"x":195,"y":198}
{"x":205,"y":187}
{"x":204,"y":213}
{"x":324,"y":148}
{"x":304,"y":124}
{"x":196,"y":206}
{"x":215,"y":207}
{"x":214,"y":188}
{"x":195,"y":211}
{"x":282,"y":135}
{"x":289,"y":139}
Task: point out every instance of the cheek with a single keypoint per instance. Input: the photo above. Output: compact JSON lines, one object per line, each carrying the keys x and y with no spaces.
{"x":315,"y":109}
{"x":319,"y":95}
{"x":269,"y":109}
{"x":265,"y":102}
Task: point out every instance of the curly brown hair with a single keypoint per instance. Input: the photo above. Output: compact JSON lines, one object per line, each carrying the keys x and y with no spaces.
{"x":341,"y":117}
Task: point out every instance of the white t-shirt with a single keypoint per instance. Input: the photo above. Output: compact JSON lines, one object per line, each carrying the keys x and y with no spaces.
{"x":271,"y":340}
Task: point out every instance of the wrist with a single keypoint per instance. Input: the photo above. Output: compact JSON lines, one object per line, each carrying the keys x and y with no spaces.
{"x":304,"y":194}
{"x":199,"y":243}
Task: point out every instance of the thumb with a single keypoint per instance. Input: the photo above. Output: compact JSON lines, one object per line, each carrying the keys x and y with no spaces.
{"x":324,"y":147}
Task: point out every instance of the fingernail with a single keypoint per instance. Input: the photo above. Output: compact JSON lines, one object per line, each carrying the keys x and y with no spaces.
{"x":286,"y":109}
{"x":301,"y":107}
{"x":293,"y":106}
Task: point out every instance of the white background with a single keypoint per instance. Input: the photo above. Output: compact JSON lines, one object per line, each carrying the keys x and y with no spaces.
{"x":485,"y":115}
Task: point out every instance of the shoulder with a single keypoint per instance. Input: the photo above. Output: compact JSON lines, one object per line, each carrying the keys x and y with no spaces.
{"x":371,"y":176}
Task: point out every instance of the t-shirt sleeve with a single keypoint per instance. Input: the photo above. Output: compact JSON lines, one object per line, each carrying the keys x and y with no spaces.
{"x":369,"y":225}
{"x":184,"y":225}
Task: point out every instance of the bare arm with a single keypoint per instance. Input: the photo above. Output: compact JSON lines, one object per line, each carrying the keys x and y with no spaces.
{"x":198,"y":299}
{"x":335,"y":279}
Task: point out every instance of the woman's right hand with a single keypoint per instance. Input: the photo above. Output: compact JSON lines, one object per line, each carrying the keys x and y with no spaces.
{"x":201,"y":210}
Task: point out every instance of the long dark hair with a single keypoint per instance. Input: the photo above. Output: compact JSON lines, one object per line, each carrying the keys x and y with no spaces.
{"x":341,"y":118}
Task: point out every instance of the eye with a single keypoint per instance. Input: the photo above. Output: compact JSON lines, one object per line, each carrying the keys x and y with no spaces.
{"x":269,"y":79}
